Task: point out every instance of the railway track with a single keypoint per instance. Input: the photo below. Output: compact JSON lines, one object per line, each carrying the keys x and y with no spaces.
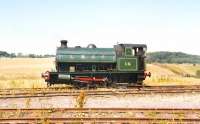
{"x":91,"y":115}
{"x":50,"y":92}
{"x":130,"y":87}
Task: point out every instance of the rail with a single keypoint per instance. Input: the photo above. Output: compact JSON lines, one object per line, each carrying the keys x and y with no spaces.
{"x":50,"y":92}
{"x":125,"y":115}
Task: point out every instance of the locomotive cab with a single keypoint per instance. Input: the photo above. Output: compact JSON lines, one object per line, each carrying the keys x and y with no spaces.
{"x":134,"y":53}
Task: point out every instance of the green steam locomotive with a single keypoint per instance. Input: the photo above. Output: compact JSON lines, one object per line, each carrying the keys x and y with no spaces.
{"x":124,"y":64}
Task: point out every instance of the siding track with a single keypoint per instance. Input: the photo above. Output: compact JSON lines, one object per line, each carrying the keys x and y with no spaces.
{"x":103,"y":115}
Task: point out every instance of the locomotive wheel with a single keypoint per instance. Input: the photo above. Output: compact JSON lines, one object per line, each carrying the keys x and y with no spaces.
{"x":76,"y":85}
{"x":48,"y":84}
{"x":108,"y":83}
{"x":93,"y":86}
{"x":139,"y":82}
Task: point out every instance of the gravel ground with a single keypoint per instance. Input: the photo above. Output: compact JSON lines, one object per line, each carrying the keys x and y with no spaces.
{"x":184,"y":100}
{"x":191,"y":100}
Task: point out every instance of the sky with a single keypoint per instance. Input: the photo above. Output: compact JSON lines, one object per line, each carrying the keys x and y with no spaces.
{"x":37,"y":26}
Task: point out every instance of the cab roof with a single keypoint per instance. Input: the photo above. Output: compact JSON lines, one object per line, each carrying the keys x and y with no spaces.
{"x":134,"y":45}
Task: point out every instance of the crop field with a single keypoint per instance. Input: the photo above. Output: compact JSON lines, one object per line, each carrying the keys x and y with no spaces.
{"x":23,"y":72}
{"x":26,"y":73}
{"x":173,"y":74}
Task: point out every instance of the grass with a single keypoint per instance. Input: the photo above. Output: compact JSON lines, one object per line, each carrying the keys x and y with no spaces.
{"x":151,"y":114}
{"x":173,"y":74}
{"x":28,"y":102}
{"x":23,"y":72}
{"x":80,"y":100}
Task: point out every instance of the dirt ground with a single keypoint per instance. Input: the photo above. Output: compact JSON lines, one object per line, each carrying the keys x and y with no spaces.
{"x":185,"y":100}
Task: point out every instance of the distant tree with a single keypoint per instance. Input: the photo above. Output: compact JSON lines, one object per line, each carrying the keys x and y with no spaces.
{"x":47,"y":55}
{"x":19,"y":55}
{"x":4,"y":54}
{"x":172,"y":57}
{"x":12,"y":55}
{"x":32,"y":55}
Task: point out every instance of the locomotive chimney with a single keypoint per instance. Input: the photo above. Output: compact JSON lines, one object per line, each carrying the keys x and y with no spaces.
{"x":63,"y":43}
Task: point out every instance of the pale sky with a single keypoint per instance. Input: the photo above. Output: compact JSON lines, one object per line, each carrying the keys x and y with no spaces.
{"x":37,"y":26}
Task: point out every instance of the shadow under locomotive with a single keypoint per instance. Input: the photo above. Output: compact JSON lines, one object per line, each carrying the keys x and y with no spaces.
{"x":124,"y":64}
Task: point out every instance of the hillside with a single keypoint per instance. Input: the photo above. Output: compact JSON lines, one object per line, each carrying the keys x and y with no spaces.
{"x":172,"y":57}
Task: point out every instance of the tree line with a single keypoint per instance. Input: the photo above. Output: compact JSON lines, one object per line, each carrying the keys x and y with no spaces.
{"x":152,"y":57}
{"x":21,"y":55}
{"x":172,"y":57}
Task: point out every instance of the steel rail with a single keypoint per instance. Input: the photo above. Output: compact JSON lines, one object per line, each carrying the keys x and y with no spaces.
{"x":137,"y":90}
{"x":102,"y":120}
{"x":101,"y":109}
{"x":132,"y":118}
{"x":75,"y":90}
{"x":111,"y":92}
{"x":134,"y":86}
{"x":96,"y":90}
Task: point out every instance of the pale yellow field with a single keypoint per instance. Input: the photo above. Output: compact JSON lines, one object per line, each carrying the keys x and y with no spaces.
{"x":173,"y":74}
{"x":26,"y":73}
{"x":23,"y":72}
